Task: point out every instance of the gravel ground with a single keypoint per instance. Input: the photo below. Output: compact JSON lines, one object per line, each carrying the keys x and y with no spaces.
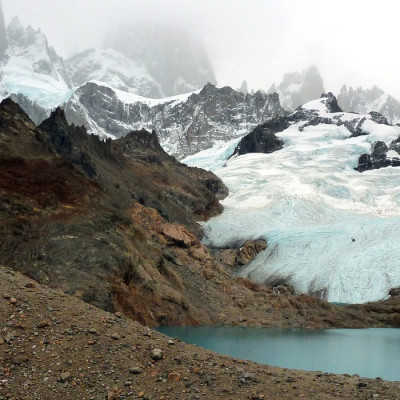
{"x":54,"y":346}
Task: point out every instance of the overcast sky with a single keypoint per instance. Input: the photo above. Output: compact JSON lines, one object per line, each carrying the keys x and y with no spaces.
{"x":350,"y":41}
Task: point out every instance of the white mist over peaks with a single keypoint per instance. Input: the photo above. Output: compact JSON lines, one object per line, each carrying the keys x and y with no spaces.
{"x":350,"y":42}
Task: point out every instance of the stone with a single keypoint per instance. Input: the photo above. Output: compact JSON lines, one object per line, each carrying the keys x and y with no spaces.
{"x":178,"y":235}
{"x":43,"y":324}
{"x":13,"y":300}
{"x":64,"y":377}
{"x":156,"y":354}
{"x":174,"y":377}
{"x":115,"y":336}
{"x":18,"y":360}
{"x":135,"y":370}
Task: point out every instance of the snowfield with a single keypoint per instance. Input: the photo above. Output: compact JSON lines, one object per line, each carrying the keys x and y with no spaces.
{"x":331,"y":230}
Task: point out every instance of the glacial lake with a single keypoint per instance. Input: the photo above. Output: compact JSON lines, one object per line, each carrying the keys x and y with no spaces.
{"x":368,"y":352}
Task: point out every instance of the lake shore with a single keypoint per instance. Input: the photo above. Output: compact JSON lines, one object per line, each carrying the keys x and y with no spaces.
{"x":56,"y":346}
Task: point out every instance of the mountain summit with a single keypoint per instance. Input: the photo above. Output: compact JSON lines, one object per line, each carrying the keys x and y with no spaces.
{"x":174,"y":58}
{"x":298,"y":88}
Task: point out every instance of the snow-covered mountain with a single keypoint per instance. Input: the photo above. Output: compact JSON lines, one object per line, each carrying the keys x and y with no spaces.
{"x":153,"y":62}
{"x":365,"y":100}
{"x":175,"y":58}
{"x":331,"y":230}
{"x":298,"y":88}
{"x":186,"y":124}
{"x":114,"y":69}
{"x":33,"y":71}
{"x":3,"y":34}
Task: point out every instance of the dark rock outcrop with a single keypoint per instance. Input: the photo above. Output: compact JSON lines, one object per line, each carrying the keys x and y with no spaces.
{"x":331,"y":103}
{"x":74,"y":144}
{"x":233,"y":259}
{"x":378,"y":118}
{"x":260,"y":140}
{"x":378,"y":158}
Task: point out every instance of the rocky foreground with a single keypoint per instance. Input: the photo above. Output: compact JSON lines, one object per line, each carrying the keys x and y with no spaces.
{"x":55,"y":346}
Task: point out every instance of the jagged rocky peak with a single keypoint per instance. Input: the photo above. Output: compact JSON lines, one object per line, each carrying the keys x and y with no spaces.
{"x":3,"y":33}
{"x":32,"y":73}
{"x":186,"y":124}
{"x":175,"y":58}
{"x":243,"y":88}
{"x":316,"y":111}
{"x":366,"y":100}
{"x":74,"y":144}
{"x":298,"y":88}
{"x":15,"y":31}
{"x":331,"y":102}
{"x":141,"y":140}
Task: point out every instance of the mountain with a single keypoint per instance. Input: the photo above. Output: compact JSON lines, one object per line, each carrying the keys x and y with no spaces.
{"x":148,"y":64}
{"x":186,"y":124}
{"x":32,"y":72}
{"x":125,"y":212}
{"x":365,"y":100}
{"x":3,"y":34}
{"x":175,"y":58}
{"x":113,"y":68}
{"x":115,"y":223}
{"x":298,"y":88}
{"x":327,"y":203}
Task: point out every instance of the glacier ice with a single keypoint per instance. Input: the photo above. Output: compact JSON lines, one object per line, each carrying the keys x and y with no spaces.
{"x":331,"y":230}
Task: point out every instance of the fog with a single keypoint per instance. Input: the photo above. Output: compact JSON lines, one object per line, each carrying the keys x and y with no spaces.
{"x":353,"y":42}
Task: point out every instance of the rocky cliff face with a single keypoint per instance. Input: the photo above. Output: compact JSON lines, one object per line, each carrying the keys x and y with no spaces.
{"x":298,"y":88}
{"x":366,"y":100}
{"x":185,"y":124}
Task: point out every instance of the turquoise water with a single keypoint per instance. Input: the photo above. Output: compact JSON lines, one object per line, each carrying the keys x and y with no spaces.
{"x":368,"y":352}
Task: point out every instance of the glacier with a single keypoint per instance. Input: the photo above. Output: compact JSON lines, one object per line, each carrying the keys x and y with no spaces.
{"x":331,"y":230}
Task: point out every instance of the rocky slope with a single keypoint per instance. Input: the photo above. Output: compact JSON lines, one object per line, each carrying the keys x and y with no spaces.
{"x":185,"y":124}
{"x":55,"y":346}
{"x":366,"y":100}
